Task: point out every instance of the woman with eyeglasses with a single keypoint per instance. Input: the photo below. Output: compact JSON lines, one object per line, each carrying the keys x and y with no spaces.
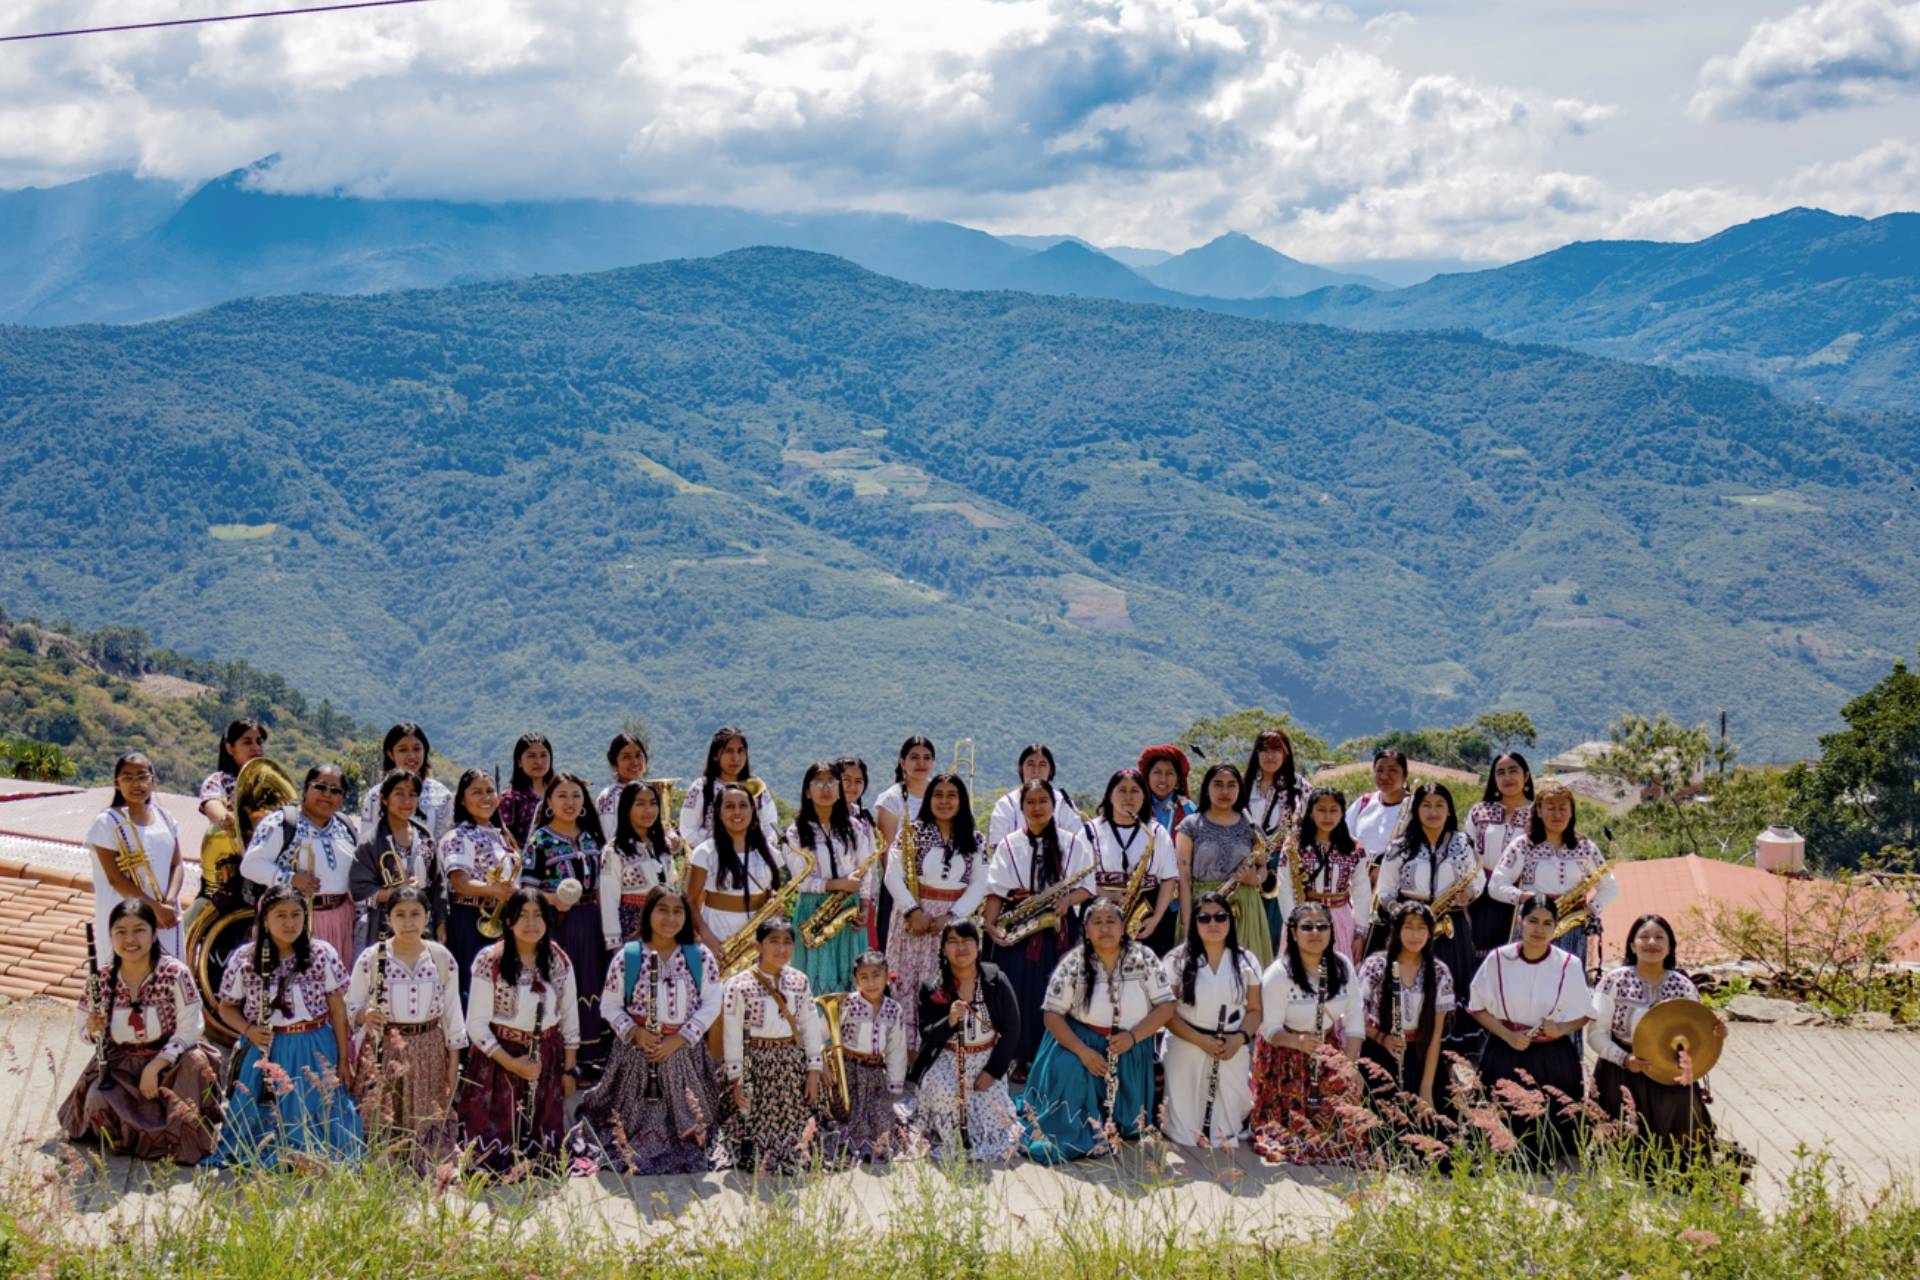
{"x":310,"y":846}
{"x":1208,"y":1059}
{"x":130,"y":830}
{"x":1310,"y":1016}
{"x":1532,"y":998}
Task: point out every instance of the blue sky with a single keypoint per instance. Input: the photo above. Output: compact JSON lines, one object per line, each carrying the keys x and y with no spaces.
{"x":1482,"y":129}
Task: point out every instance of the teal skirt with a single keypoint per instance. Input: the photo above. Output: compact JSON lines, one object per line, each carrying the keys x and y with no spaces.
{"x":828,"y":968}
{"x":1064,"y":1104}
{"x":303,"y":1108}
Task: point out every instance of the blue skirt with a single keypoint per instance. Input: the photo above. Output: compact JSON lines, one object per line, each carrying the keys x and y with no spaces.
{"x":828,"y":968}
{"x":1064,"y":1104}
{"x":309,"y":1112}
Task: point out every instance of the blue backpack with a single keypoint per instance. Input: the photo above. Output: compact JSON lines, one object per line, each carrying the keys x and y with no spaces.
{"x":630,"y":968}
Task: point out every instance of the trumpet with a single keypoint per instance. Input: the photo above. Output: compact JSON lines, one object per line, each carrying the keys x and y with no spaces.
{"x":836,"y":911}
{"x":963,"y":754}
{"x":737,"y":952}
{"x":132,"y":859}
{"x":490,"y":923}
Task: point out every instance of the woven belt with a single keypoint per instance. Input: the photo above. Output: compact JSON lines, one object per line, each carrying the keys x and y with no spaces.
{"x":969,"y":1050}
{"x":1522,"y":1026}
{"x":132,"y":1050}
{"x":633,"y":899}
{"x":478,"y":904}
{"x":738,"y":903}
{"x":327,"y":901}
{"x":943,"y":895}
{"x":299,"y":1028}
{"x":414,"y":1028}
{"x":1105,"y":1031}
{"x":767,"y":1042}
{"x":865,"y":1059}
{"x":1331,"y":898}
{"x":513,"y":1035}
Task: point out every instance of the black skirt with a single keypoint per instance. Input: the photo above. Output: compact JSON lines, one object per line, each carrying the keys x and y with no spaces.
{"x":1405,"y":1079}
{"x":1552,"y":1065}
{"x":1028,"y":967}
{"x":1671,"y":1116}
{"x":1492,"y":924}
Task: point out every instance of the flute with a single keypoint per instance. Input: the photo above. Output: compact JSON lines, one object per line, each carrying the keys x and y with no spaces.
{"x":95,"y":989}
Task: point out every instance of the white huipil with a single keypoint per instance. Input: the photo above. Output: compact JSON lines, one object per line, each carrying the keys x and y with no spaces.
{"x":1116,"y":853}
{"x":168,"y":1005}
{"x":1552,"y":869}
{"x":1371,"y":821}
{"x":1218,"y":1004}
{"x":1525,"y":994}
{"x":1492,"y":826}
{"x":1418,"y":877}
{"x":113,"y":830}
{"x":332,"y":846}
{"x":489,"y":1001}
{"x":436,"y":807}
{"x":1621,"y":999}
{"x":1272,"y":810}
{"x":1011,"y":871}
{"x":1285,"y":1006}
{"x":627,"y":876}
{"x":665,"y":993}
{"x":426,"y":991}
{"x":760,"y":875}
{"x":1007,"y":818}
{"x":749,"y":1012}
{"x":946,"y":870}
{"x":868,"y":1031}
{"x":696,"y":825}
{"x":834,"y":858}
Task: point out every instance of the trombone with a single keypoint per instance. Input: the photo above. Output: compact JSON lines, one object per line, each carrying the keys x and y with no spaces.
{"x":963,"y":755}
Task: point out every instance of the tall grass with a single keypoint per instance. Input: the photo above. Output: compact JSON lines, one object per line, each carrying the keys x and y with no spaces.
{"x":1482,"y":1218}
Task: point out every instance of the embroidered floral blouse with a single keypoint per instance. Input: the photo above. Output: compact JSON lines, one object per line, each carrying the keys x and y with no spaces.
{"x":1142,"y":986}
{"x":165,"y":1010}
{"x":1413,"y":995}
{"x":749,"y":1010}
{"x":306,"y":992}
{"x":1621,"y":999}
{"x":489,"y":1001}
{"x":664,"y":994}
{"x":426,"y":991}
{"x":865,"y":1030}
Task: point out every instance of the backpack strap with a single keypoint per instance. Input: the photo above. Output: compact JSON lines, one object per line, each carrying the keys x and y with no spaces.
{"x":690,"y":952}
{"x":629,"y":971}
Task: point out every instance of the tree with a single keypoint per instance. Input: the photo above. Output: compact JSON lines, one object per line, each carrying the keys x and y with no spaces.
{"x":1863,"y":794}
{"x":1230,"y":737}
{"x":1663,"y":756}
{"x":37,"y":761}
{"x":120,"y":649}
{"x":1507,"y":730}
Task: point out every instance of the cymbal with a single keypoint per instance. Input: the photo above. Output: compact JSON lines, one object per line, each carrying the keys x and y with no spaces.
{"x":1668,"y":1029}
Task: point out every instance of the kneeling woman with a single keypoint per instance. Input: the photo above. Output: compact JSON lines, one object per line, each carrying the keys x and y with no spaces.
{"x":405,"y":1000}
{"x":158,"y":1098}
{"x":1092,"y":1081}
{"x":523,"y":1023}
{"x":1673,"y":1116}
{"x":1532,"y":997}
{"x":283,"y":992}
{"x":656,"y":1110}
{"x":1408,"y":997}
{"x":1310,"y":1004}
{"x":969,"y":1026}
{"x":1208,"y":1067}
{"x":773,"y":1055}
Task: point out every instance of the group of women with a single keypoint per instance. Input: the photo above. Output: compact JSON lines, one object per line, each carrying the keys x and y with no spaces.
{"x":1255,"y":960}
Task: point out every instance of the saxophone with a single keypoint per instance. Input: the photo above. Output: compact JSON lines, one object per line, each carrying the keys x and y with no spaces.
{"x":1134,"y":905}
{"x":1573,"y":907}
{"x":839,"y":1091}
{"x":1451,"y":901}
{"x":737,"y":952}
{"x":909,"y":855}
{"x":1038,"y":911}
{"x":836,"y":911}
{"x":1296,"y":866}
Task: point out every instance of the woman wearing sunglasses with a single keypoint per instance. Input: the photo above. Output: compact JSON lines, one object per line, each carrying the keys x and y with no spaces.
{"x":1310,"y":1013}
{"x":1209,"y":1070}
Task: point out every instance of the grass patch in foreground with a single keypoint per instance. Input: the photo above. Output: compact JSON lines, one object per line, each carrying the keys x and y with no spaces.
{"x":1482,"y":1220}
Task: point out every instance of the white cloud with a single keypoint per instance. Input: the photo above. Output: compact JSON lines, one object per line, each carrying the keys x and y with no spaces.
{"x":1882,"y":179}
{"x":1834,"y":54}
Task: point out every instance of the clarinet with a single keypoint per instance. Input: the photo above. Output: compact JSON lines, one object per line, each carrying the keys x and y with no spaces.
{"x":1213,"y":1083}
{"x":1113,"y":1059}
{"x":95,"y":991}
{"x":379,"y":1033}
{"x":1396,"y":1021}
{"x":533,"y":1053}
{"x":960,"y":1066}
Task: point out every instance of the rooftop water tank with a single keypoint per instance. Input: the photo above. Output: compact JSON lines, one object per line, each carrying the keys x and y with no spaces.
{"x":1780,"y":849}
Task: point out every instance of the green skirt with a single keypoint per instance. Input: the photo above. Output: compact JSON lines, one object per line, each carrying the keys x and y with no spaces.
{"x":1251,"y":920}
{"x":828,"y":968}
{"x":1064,"y":1104}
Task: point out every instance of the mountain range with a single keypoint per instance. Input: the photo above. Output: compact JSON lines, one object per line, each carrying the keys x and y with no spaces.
{"x":773,"y":488}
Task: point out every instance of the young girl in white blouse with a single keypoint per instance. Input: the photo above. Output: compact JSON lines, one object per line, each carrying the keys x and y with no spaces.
{"x":727,"y":765}
{"x":1311,"y":1019}
{"x":158,"y":1097}
{"x":130,"y":831}
{"x":656,"y":1110}
{"x":404,"y":1002}
{"x":773,"y":1056}
{"x":1532,"y":998}
{"x":1119,"y":839}
{"x":1208,"y":1059}
{"x":523,"y":1022}
{"x":873,"y":1038}
{"x":638,"y":859}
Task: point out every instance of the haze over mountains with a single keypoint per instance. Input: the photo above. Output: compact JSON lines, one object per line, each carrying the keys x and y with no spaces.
{"x":773,"y":488}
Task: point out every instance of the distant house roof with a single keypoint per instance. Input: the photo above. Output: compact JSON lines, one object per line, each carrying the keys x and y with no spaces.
{"x":1691,"y":891}
{"x":1418,"y":769}
{"x":61,"y":817}
{"x":1580,"y":757}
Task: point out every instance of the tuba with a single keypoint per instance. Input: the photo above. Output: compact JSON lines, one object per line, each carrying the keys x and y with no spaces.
{"x":736,"y":953}
{"x":262,"y":786}
{"x":839,"y":1089}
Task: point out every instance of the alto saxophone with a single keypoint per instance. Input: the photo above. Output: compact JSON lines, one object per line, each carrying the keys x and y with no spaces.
{"x":1134,"y":905}
{"x":837,"y":910}
{"x":1451,"y":901}
{"x":909,"y":852}
{"x":1038,"y":911}
{"x":1573,"y":908}
{"x":737,"y":952}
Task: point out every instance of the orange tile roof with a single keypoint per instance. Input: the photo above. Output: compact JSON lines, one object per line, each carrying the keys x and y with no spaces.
{"x":44,"y":913}
{"x":1691,"y":892}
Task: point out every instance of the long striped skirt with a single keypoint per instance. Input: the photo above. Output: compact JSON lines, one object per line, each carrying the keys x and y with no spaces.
{"x":829,"y":968}
{"x":1297,"y":1101}
{"x":1065,"y":1104}
{"x":585,"y":943}
{"x":406,"y":1098}
{"x":178,"y":1125}
{"x":502,"y":1132}
{"x":651,"y":1118}
{"x":292,"y":1103}
{"x":335,"y":926}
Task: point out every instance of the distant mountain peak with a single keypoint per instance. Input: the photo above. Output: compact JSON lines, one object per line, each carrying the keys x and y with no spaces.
{"x":1235,"y":265}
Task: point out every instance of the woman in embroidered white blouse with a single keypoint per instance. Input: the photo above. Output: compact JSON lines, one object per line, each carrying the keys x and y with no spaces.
{"x":404,"y":1001}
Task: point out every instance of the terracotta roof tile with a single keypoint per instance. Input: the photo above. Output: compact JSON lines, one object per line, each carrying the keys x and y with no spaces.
{"x":44,"y":913}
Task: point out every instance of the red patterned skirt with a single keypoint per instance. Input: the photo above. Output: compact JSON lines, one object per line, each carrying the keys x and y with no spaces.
{"x":1297,"y":1107}
{"x":493,"y":1107}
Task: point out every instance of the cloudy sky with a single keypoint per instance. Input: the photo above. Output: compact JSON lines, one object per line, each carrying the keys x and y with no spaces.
{"x":1480,"y":129}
